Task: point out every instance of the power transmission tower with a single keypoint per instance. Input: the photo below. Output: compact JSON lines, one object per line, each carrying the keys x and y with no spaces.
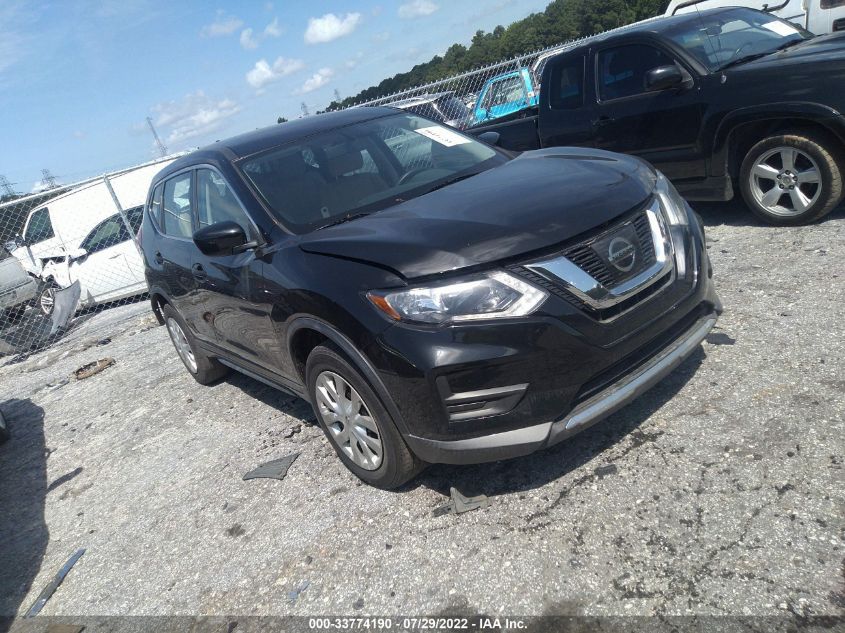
{"x":48,"y":179}
{"x":161,"y":147}
{"x":6,"y":186}
{"x":304,"y":109}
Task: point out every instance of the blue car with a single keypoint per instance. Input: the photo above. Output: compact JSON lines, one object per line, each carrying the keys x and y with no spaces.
{"x":505,"y":94}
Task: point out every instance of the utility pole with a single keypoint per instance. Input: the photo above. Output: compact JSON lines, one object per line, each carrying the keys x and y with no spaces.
{"x":48,"y":179}
{"x":6,"y":186}
{"x":161,"y":148}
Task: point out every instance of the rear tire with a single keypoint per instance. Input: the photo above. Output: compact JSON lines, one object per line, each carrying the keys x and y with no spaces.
{"x":355,"y":421}
{"x":793,"y":178}
{"x":200,"y":365}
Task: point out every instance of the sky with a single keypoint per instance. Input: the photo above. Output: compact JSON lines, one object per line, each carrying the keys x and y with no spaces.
{"x":78,"y":78}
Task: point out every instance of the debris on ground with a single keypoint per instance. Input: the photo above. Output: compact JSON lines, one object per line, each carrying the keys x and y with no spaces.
{"x":289,"y":433}
{"x":91,"y":369}
{"x":50,"y":589}
{"x":459,"y":504}
{"x":293,"y":595}
{"x":276,"y":469}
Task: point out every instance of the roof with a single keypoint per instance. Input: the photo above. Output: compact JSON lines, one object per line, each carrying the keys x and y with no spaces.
{"x":275,"y":135}
{"x":657,"y":24}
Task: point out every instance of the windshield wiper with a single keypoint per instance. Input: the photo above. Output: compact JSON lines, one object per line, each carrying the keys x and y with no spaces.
{"x":341,"y":220}
{"x":754,"y":56}
{"x":742,"y":60}
{"x":452,"y":181}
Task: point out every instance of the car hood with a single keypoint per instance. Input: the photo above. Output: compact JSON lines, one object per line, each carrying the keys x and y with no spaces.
{"x":823,"y":51}
{"x":537,"y":200}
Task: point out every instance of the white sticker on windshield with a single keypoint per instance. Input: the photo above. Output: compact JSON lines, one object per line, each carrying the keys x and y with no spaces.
{"x":442,"y":135}
{"x":780,"y":28}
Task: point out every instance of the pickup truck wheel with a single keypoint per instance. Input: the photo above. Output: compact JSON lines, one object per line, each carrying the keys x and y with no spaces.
{"x":202,"y":367}
{"x":792,"y":178}
{"x":358,"y":426}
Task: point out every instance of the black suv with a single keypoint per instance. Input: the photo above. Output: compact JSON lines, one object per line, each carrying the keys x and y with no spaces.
{"x":717,"y":100}
{"x":434,"y":298}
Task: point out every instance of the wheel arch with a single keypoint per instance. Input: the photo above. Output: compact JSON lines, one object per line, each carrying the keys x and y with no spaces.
{"x":743,"y":128}
{"x":307,"y":332}
{"x":158,"y":300}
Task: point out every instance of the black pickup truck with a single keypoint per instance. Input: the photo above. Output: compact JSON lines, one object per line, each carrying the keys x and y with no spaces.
{"x":715,"y":100}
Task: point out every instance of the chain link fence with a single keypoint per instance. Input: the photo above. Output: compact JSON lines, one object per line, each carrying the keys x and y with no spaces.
{"x":68,"y":253}
{"x":504,"y":90}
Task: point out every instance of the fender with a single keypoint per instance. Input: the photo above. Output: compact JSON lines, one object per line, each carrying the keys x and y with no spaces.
{"x":156,"y":310}
{"x":360,"y":361}
{"x":767,"y":112}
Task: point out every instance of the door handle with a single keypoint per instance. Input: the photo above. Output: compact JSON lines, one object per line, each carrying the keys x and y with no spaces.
{"x":158,"y":258}
{"x":601,"y":121}
{"x":199,"y":272}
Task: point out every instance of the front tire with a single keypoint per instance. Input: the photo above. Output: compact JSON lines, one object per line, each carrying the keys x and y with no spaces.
{"x":355,"y":421}
{"x":46,"y":301}
{"x":202,"y":367}
{"x":793,"y":178}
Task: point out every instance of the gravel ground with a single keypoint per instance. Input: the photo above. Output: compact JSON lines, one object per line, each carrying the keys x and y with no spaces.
{"x":719,"y":492}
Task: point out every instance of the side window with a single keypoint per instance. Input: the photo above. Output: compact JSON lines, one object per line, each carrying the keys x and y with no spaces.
{"x":507,"y":91}
{"x":40,"y":227}
{"x":622,"y":69}
{"x":110,"y":232}
{"x":567,"y":85}
{"x":135,"y":216}
{"x":155,"y":205}
{"x":216,"y":202}
{"x":176,"y":207}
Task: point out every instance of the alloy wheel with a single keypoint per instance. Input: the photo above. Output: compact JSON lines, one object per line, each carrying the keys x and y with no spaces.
{"x":180,"y":342}
{"x":349,"y":421}
{"x":785,"y":181}
{"x":47,"y":301}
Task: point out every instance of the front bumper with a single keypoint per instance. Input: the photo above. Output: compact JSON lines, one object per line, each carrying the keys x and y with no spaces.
{"x":16,"y":295}
{"x":532,"y":438}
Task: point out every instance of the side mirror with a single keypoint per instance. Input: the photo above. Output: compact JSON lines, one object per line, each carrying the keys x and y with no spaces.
{"x":664,"y":78}
{"x":223,"y":238}
{"x":491,"y":138}
{"x":19,"y":240}
{"x":480,"y":114}
{"x":77,"y":254}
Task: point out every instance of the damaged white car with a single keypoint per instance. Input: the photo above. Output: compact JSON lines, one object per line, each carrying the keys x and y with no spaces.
{"x":106,"y":263}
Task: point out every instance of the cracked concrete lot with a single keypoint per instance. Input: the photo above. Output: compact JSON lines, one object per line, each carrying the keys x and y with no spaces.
{"x":718,"y":492}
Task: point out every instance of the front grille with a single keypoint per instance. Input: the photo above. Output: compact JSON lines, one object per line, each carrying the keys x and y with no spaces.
{"x":591,"y":254}
{"x":584,"y":254}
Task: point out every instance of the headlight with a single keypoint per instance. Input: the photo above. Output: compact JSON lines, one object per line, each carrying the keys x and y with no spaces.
{"x":674,"y":207}
{"x":496,"y":295}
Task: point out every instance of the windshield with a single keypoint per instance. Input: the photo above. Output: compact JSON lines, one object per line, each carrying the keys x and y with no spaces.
{"x":726,"y":37}
{"x":361,"y":168}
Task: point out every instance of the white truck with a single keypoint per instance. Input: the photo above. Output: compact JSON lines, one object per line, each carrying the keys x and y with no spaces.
{"x":817,"y":16}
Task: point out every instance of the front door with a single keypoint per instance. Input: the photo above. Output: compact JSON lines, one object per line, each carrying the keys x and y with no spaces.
{"x":228,"y":287}
{"x":662,"y":126}
{"x":104,"y":271}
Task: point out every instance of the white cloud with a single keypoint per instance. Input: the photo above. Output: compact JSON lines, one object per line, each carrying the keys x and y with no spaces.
{"x":223,"y":25}
{"x":330,"y":27}
{"x":248,"y":42}
{"x":263,"y":73}
{"x":193,"y":115}
{"x":352,"y":62}
{"x":273,"y":29}
{"x":317,"y":80}
{"x":381,"y":37}
{"x":416,"y":9}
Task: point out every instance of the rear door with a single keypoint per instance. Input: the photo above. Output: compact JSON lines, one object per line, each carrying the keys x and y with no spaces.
{"x":169,"y":255}
{"x":567,"y":103}
{"x":662,"y":127}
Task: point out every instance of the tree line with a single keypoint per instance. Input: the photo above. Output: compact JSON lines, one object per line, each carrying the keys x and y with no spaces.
{"x":561,"y":20}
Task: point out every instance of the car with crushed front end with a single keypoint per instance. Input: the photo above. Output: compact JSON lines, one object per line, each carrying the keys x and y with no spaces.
{"x":476,"y":307}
